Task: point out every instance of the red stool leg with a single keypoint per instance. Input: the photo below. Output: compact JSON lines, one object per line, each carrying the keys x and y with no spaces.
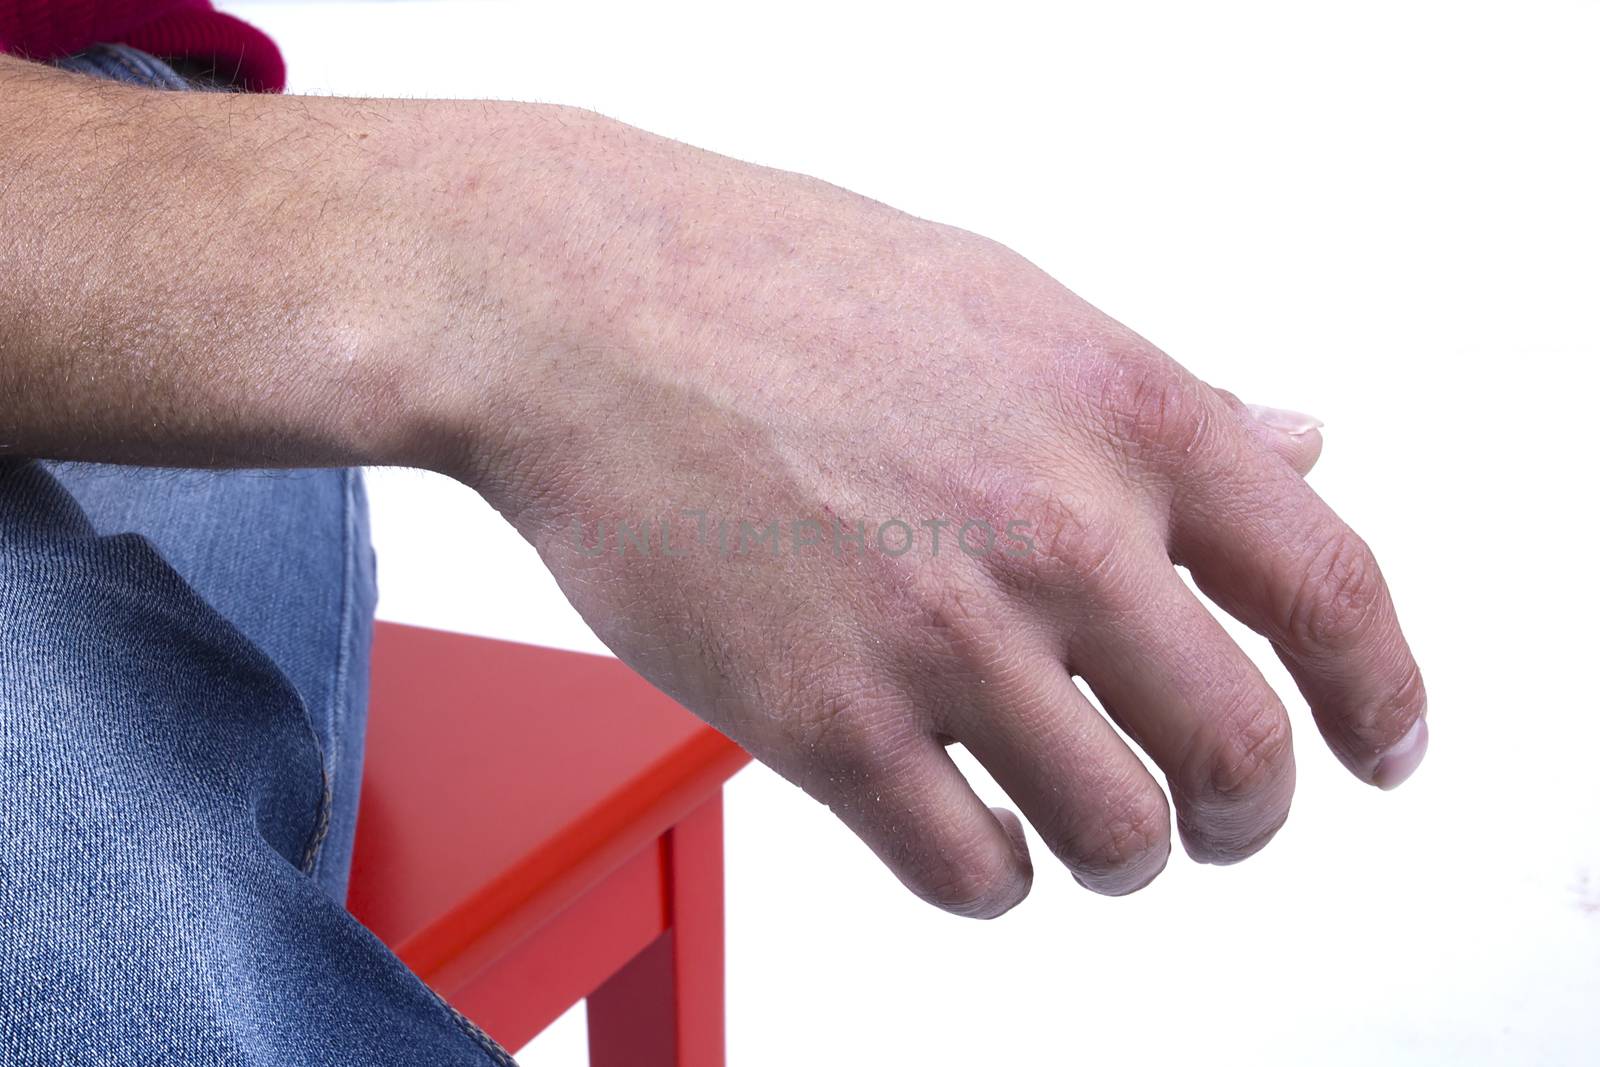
{"x":665,"y":1008}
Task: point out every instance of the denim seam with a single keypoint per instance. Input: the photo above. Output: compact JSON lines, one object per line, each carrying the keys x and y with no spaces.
{"x":499,"y":1056}
{"x":341,"y":683}
{"x":319,"y":826}
{"x":338,"y":710}
{"x":140,"y":76}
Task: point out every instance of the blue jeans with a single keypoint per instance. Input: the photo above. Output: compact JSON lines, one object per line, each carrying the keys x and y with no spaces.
{"x":183,"y":677}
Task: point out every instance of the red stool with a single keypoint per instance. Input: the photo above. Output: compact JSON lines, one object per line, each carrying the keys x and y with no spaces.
{"x":537,"y":827}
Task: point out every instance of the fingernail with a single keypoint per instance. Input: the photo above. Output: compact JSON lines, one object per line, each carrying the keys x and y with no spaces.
{"x":1293,"y":423}
{"x":1403,"y":757}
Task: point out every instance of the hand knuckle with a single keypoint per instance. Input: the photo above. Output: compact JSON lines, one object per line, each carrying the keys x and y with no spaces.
{"x":971,"y":890}
{"x":953,"y":628}
{"x":1078,"y":539}
{"x":1153,"y":410}
{"x":1250,"y":758}
{"x":1077,"y":545}
{"x":845,"y":734}
{"x":1125,"y":838}
{"x":1338,"y":594}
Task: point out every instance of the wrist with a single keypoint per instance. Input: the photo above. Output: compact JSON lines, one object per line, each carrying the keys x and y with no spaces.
{"x":533,"y":262}
{"x":415,"y":272}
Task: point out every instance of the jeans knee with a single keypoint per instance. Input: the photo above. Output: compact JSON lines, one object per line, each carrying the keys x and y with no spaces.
{"x":121,"y":689}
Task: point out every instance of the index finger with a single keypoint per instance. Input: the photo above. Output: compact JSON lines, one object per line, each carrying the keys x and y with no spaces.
{"x":1269,"y":551}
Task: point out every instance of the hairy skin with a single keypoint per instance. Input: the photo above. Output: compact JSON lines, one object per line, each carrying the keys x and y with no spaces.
{"x":592,"y":325}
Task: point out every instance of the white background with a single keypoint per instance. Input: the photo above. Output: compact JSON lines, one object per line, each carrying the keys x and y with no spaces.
{"x":1381,"y":213}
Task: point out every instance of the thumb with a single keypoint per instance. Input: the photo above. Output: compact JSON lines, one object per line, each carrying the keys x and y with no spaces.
{"x":1293,"y":435}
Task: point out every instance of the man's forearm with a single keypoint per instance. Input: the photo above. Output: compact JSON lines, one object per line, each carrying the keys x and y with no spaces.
{"x":217,"y":279}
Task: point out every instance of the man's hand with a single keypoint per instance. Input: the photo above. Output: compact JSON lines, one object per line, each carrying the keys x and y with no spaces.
{"x":748,"y":346}
{"x":601,"y":329}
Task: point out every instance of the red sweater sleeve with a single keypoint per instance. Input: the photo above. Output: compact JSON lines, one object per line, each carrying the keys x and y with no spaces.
{"x":189,"y":29}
